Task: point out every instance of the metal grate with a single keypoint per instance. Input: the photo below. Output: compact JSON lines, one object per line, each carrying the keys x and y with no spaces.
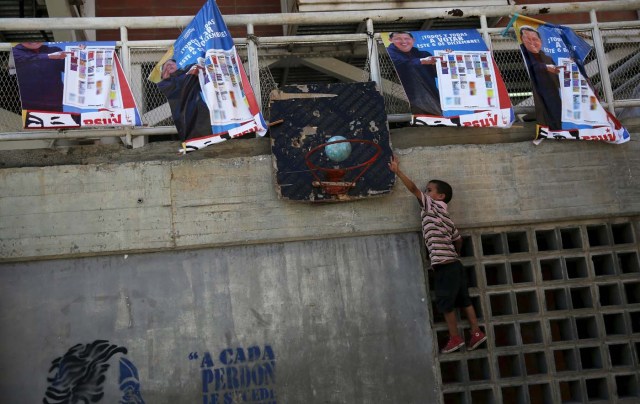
{"x":624,"y":70}
{"x":506,"y":53}
{"x":150,"y":101}
{"x":10,"y":120}
{"x":395,"y":98}
{"x":561,"y":308}
{"x":307,"y":63}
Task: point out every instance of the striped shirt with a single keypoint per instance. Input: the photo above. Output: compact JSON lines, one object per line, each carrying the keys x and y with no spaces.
{"x":438,"y":230}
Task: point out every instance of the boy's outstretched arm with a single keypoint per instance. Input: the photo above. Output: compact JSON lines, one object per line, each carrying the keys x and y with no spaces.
{"x":394,"y":166}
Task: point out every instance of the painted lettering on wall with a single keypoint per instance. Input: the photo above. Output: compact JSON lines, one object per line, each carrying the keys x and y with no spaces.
{"x":238,"y":375}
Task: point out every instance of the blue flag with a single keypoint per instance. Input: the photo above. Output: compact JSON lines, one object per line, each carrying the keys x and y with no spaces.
{"x":204,"y":81}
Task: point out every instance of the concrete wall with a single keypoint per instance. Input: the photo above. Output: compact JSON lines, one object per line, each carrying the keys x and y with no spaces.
{"x":346,"y":320}
{"x":154,"y":205}
{"x":176,"y":257}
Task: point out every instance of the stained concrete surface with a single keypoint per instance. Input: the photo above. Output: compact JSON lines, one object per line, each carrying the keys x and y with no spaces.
{"x":401,"y":137}
{"x":336,"y":290}
{"x":347,"y":318}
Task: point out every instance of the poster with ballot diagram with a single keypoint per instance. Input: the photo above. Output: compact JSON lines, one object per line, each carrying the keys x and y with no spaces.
{"x":90,"y":80}
{"x":95,"y":86}
{"x":223,"y":87}
{"x":73,"y":85}
{"x":450,"y":78}
{"x":580,"y":104}
{"x":466,"y":81}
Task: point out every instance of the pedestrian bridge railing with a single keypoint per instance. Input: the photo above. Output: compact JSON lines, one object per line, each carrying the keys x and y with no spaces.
{"x":613,"y":66}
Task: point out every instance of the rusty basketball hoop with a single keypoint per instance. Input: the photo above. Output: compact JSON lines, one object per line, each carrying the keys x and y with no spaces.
{"x":333,"y":180}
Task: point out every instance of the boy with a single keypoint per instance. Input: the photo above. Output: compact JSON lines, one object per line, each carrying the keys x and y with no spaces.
{"x":444,"y":244}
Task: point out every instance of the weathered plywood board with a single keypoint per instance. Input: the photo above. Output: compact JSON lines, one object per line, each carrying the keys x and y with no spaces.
{"x":312,"y":116}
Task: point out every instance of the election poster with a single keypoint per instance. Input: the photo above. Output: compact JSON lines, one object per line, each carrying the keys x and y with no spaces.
{"x":208,"y":91}
{"x":565,"y":103}
{"x":73,"y":85}
{"x":450,"y":78}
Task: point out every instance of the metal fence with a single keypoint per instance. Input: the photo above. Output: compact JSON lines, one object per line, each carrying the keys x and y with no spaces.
{"x":613,"y":65}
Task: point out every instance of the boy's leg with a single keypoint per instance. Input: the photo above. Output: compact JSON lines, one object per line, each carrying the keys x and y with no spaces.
{"x":455,"y":341}
{"x":471,"y":316}
{"x":477,"y":336}
{"x":452,"y":323}
{"x":447,"y":285}
{"x":464,"y":300}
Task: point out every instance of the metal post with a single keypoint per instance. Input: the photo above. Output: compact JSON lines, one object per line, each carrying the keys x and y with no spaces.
{"x":254,"y":63}
{"x":484,"y":31}
{"x":374,"y":62}
{"x":124,"y":51}
{"x":603,"y":64}
{"x":126,"y":60}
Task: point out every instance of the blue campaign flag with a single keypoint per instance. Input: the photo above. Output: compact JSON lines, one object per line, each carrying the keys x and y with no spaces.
{"x":209,"y":93}
{"x":206,"y":31}
{"x":577,"y":46}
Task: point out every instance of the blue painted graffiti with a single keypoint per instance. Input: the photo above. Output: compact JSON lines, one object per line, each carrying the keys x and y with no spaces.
{"x":238,"y":376}
{"x":129,"y":383}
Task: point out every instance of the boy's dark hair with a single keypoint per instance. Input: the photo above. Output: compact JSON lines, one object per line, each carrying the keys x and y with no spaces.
{"x":443,"y":188}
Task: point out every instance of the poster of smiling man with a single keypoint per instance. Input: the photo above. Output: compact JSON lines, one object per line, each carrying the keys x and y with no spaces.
{"x":73,"y":85}
{"x":450,"y":78}
{"x":565,"y":103}
{"x":208,"y":91}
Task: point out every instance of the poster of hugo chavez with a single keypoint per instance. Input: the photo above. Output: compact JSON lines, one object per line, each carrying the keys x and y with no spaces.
{"x":565,"y":103}
{"x":73,"y":85}
{"x":450,"y":78}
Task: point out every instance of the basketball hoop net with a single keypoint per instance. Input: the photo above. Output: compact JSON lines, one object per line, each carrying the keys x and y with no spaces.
{"x":333,"y":182}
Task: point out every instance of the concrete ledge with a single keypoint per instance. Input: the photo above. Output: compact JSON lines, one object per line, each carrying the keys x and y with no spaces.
{"x":173,"y":202}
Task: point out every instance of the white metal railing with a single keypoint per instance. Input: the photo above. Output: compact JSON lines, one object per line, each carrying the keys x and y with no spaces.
{"x":601,"y":67}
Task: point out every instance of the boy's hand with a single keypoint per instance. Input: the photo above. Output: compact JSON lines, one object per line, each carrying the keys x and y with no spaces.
{"x":394,"y":164}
